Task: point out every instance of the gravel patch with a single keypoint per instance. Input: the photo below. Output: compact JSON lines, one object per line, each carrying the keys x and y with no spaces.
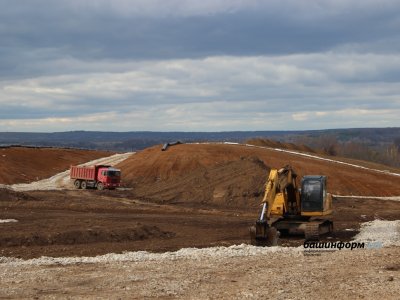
{"x":386,"y":232}
{"x":195,"y":254}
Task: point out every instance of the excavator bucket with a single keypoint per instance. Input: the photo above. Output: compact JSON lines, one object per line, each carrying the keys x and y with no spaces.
{"x":264,"y":235}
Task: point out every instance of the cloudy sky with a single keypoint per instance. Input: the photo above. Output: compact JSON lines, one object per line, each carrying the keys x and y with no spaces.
{"x":190,"y":65}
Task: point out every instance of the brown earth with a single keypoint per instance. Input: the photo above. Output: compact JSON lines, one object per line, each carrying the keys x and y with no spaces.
{"x":10,"y":195}
{"x":187,"y":196}
{"x":234,"y":175}
{"x":281,"y":145}
{"x":192,"y":196}
{"x":89,"y":223}
{"x":226,"y":184}
{"x":24,"y":165}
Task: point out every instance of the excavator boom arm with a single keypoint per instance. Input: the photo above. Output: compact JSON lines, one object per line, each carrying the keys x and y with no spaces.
{"x":278,"y":181}
{"x":269,"y":194}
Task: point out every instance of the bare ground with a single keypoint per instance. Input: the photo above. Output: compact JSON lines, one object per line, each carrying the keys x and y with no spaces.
{"x":357,"y":274}
{"x":23,"y":165}
{"x":68,"y":223}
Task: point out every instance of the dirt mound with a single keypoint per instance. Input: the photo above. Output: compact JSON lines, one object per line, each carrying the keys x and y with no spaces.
{"x":233,"y":174}
{"x":72,"y":237}
{"x":24,"y":165}
{"x":9,"y":195}
{"x":232,"y":183}
{"x":152,"y":164}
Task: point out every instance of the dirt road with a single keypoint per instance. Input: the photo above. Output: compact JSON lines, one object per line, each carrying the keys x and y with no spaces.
{"x":62,"y":180}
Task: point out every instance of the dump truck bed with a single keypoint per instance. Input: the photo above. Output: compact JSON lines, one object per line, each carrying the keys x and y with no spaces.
{"x":87,"y":173}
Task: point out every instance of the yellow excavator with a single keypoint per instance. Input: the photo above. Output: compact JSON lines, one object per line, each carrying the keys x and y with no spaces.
{"x":289,"y":210}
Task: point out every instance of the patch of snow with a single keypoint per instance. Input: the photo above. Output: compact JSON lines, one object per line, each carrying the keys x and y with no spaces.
{"x":8,"y":221}
{"x":385,"y":232}
{"x":392,"y":198}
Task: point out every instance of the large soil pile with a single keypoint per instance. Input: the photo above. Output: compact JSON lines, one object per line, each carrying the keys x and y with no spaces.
{"x":24,"y":165}
{"x":212,"y":174}
{"x":234,"y":175}
{"x":232,"y":183}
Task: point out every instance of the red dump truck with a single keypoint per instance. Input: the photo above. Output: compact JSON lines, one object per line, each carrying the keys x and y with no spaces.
{"x":99,"y":177}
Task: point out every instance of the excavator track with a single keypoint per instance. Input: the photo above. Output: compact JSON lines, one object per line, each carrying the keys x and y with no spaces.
{"x":312,"y":231}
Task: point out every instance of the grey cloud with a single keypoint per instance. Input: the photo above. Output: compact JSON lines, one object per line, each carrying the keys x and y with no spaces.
{"x":231,"y":64}
{"x":91,"y":32}
{"x":268,"y":85}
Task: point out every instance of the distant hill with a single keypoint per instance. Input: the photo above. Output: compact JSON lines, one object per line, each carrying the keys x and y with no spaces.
{"x":373,"y":144}
{"x":137,"y":140}
{"x":126,"y":141}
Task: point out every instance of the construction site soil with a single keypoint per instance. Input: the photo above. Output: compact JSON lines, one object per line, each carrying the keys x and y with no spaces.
{"x":234,"y":175}
{"x":89,"y":223}
{"x":23,"y":165}
{"x":187,"y":196}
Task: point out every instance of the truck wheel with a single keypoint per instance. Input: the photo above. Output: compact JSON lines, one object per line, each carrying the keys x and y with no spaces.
{"x":84,"y":185}
{"x":77,"y":184}
{"x":100,"y":186}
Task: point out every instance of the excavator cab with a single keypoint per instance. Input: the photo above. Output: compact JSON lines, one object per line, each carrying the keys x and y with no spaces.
{"x":315,"y":201}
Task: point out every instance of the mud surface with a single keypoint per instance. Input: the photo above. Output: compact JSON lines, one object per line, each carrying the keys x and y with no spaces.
{"x":89,"y":223}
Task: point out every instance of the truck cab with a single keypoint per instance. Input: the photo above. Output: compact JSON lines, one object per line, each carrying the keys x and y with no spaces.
{"x":108,"y":178}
